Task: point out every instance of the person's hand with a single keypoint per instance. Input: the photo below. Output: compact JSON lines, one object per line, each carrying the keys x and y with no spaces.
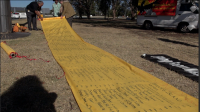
{"x":61,"y":17}
{"x":41,"y":18}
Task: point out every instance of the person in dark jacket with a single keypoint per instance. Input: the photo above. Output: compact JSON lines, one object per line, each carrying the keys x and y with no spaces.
{"x":32,"y":10}
{"x":67,"y":11}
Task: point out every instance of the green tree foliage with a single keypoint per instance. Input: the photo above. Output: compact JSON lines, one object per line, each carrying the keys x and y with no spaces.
{"x":107,"y":7}
{"x":123,"y":9}
{"x":104,"y":6}
{"x":133,"y":7}
{"x":88,"y":5}
{"x":115,"y":6}
{"x":83,"y":6}
{"x":79,"y":7}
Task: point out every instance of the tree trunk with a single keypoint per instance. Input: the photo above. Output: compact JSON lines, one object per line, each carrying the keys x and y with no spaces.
{"x":114,"y":13}
{"x":108,"y":13}
{"x":133,"y":14}
{"x":105,"y":15}
{"x":125,"y":13}
{"x":88,"y":14}
{"x":80,"y":14}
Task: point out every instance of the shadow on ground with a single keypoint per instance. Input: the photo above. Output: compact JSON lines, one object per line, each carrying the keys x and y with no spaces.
{"x":28,"y":95}
{"x":108,"y":23}
{"x":14,"y":35}
{"x":121,"y":23}
{"x":177,"y":42}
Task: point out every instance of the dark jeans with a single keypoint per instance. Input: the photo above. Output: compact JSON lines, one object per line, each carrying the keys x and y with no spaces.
{"x":70,"y":20}
{"x":31,"y":18}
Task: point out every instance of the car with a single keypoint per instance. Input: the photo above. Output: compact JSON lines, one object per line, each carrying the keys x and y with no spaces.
{"x":18,"y":15}
{"x":182,"y":15}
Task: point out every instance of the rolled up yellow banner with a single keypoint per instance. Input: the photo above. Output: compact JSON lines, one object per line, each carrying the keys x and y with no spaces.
{"x":17,"y":24}
{"x":11,"y":53}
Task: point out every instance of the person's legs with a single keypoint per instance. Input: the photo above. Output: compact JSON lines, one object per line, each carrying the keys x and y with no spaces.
{"x":34,"y":22}
{"x":70,"y":20}
{"x":29,"y":19}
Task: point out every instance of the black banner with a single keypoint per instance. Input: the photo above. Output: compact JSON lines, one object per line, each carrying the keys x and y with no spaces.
{"x":189,"y":70}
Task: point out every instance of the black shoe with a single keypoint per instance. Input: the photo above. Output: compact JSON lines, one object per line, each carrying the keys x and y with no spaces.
{"x":35,"y":29}
{"x":30,"y":29}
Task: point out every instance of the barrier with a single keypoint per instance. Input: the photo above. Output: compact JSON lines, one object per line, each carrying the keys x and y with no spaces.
{"x":102,"y":82}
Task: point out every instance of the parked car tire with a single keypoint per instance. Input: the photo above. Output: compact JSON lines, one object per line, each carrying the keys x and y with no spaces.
{"x":148,"y":25}
{"x":183,"y":28}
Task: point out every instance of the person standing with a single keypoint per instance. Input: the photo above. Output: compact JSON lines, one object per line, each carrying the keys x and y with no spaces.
{"x":61,"y":7}
{"x":56,"y":8}
{"x":32,"y":10}
{"x":68,"y":11}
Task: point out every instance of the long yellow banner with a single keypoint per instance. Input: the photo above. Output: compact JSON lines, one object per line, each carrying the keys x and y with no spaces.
{"x":102,"y":82}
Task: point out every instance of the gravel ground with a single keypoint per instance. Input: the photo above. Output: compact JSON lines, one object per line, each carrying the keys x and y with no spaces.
{"x":122,"y":38}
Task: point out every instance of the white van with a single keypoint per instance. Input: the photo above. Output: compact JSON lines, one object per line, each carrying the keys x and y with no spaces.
{"x":185,"y":19}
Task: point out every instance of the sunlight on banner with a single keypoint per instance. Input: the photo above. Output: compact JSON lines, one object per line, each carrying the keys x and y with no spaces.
{"x":102,"y":82}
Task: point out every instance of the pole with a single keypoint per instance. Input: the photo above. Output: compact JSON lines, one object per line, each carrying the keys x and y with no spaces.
{"x":6,"y":22}
{"x":199,"y":42}
{"x":5,"y":17}
{"x":36,"y":15}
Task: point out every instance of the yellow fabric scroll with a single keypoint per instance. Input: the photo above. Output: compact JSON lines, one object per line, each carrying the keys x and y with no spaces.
{"x":17,"y":24}
{"x":102,"y":82}
{"x":8,"y":50}
{"x":40,"y":15}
